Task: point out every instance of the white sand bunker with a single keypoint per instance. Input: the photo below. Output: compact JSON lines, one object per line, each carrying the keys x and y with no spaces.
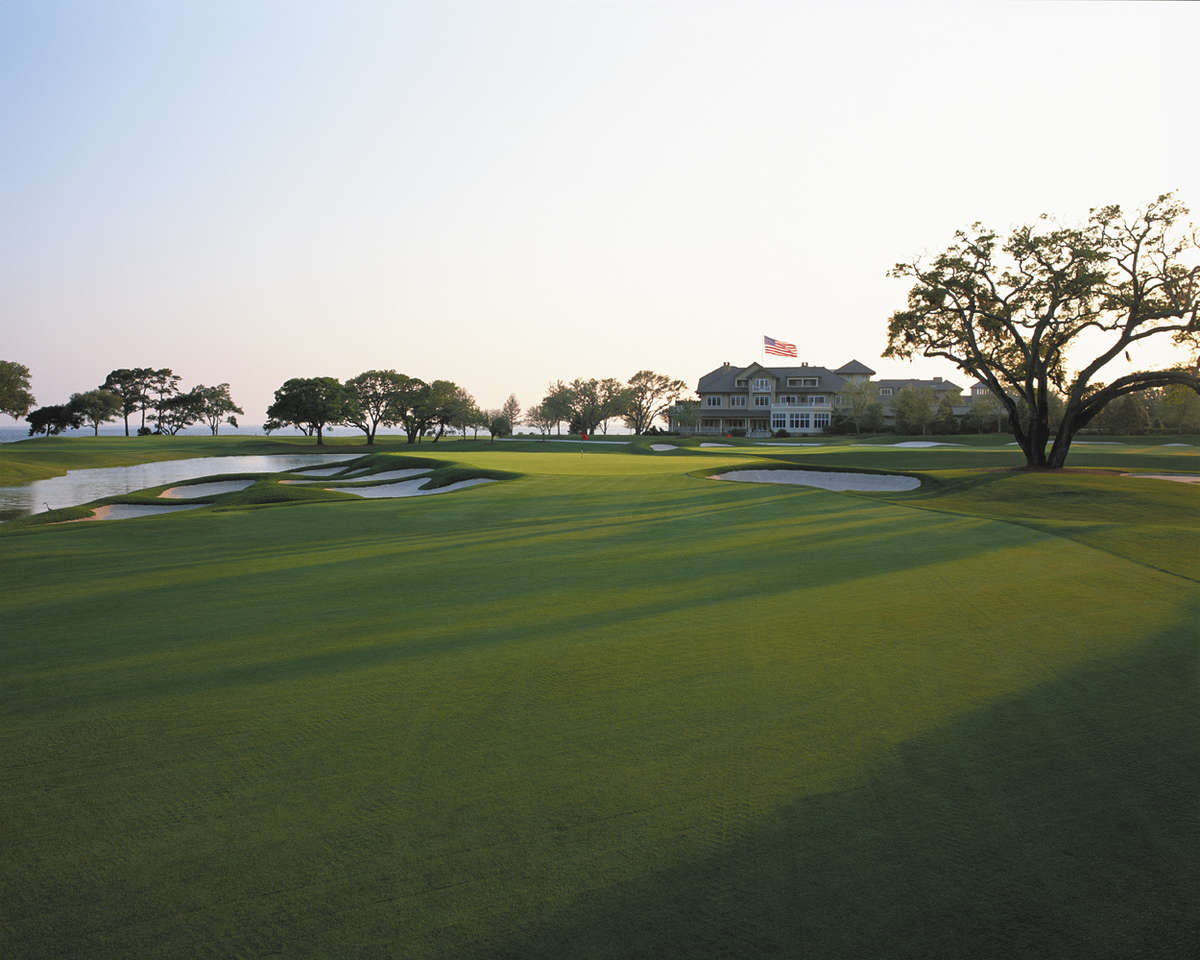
{"x":826,"y":481}
{"x":205,"y":489}
{"x":1176,"y":444}
{"x":409,"y":488}
{"x":716,"y":444}
{"x":127,"y":511}
{"x":1177,"y":477}
{"x":926,"y":443}
{"x":660,"y":447}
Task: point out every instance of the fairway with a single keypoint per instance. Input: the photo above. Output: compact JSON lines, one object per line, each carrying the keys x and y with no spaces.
{"x":607,"y":707}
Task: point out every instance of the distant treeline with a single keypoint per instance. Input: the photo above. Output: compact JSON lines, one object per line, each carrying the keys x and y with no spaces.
{"x":152,"y":397}
{"x":152,"y":393}
{"x":378,"y":398}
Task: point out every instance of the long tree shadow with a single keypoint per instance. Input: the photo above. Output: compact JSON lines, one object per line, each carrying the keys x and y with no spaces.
{"x":1062,"y":822}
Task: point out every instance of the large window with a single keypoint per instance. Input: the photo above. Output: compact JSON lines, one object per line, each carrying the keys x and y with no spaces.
{"x":737,"y":401}
{"x":820,"y":420}
{"x":816,"y":400}
{"x":740,"y":383}
{"x":885,"y":391}
{"x":762,"y":383}
{"x":711,"y":401}
{"x":788,"y":400}
{"x":797,"y":421}
{"x":762,"y":400}
{"x":778,"y":421}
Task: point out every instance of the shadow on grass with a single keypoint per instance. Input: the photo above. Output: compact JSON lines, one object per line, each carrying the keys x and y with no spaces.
{"x":1061,"y":822}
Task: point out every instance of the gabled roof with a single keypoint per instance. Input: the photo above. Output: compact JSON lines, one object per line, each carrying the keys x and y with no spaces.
{"x":938,"y":385}
{"x":855,"y":367}
{"x":723,"y":379}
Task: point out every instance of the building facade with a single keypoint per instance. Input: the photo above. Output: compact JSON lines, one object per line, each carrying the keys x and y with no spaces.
{"x":761,"y":400}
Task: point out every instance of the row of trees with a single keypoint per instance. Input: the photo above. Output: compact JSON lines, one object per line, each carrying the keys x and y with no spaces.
{"x":156,"y":391}
{"x":124,"y":393}
{"x":585,"y":405}
{"x":383,"y":398}
{"x":386,"y":398}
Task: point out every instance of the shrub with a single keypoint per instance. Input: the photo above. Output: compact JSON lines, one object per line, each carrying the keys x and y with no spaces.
{"x":780,"y":434}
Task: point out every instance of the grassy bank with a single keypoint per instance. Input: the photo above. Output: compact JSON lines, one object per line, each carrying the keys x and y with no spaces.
{"x":611,"y":708}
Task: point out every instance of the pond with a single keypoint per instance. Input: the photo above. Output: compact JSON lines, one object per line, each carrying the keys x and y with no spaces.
{"x":84,"y":486}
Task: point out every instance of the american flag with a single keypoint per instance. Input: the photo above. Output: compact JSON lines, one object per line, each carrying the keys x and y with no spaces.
{"x":778,"y":347}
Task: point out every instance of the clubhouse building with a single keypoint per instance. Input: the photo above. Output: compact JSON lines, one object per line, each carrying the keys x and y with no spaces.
{"x":761,"y":400}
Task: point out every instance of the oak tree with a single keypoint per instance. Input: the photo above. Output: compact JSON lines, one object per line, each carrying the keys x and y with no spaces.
{"x":1012,"y":311}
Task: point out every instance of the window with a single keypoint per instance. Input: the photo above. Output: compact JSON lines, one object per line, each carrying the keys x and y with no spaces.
{"x":816,"y":399}
{"x":737,"y":401}
{"x":820,"y":420}
{"x":710,"y":424}
{"x":712,"y":401}
{"x":787,"y":401}
{"x":762,"y":383}
{"x":762,"y":400}
{"x":778,"y":421}
{"x":801,"y":421}
{"x":885,"y":391}
{"x":794,"y":382}
{"x":808,"y":382}
{"x":740,"y":383}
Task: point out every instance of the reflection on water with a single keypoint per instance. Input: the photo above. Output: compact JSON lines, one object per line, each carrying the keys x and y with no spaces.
{"x":84,"y":486}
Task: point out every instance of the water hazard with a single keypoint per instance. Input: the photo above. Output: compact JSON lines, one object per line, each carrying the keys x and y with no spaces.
{"x":84,"y":486}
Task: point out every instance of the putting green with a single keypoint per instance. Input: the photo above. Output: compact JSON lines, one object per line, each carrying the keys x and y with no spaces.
{"x":610,"y":708}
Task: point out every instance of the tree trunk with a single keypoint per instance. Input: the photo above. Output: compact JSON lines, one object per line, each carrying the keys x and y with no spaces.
{"x":320,"y":435}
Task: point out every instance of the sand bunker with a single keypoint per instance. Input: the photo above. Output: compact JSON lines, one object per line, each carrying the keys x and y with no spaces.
{"x":205,"y":489}
{"x":826,"y":481}
{"x":409,"y":488}
{"x":127,"y":511}
{"x":1176,"y":444}
{"x":926,"y":443}
{"x":1177,"y":477}
{"x":716,"y":444}
{"x":660,"y":447}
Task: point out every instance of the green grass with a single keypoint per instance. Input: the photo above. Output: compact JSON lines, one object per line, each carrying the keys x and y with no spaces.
{"x":609,"y":708}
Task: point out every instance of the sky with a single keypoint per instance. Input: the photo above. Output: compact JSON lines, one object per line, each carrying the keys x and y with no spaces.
{"x":505,"y":194}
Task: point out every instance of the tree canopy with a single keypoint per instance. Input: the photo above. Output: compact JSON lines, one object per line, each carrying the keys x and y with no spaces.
{"x":216,"y":406}
{"x":15,"y":398}
{"x":310,"y":403}
{"x":1012,"y":311}
{"x":54,"y":419}
{"x":96,"y":407}
{"x":376,"y":398}
{"x":649,"y":396}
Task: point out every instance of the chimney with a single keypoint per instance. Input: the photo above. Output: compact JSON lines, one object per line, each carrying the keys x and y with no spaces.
{"x":937,"y":379}
{"x":725,"y":364}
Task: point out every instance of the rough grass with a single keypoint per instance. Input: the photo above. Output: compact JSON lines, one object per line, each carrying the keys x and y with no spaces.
{"x":609,"y":709}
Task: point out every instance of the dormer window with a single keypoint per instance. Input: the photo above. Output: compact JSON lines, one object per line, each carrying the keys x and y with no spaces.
{"x":762,"y":383}
{"x":740,"y":383}
{"x":885,"y":391}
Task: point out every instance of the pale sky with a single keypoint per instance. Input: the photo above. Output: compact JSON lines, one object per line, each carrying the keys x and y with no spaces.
{"x":503,"y":194}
